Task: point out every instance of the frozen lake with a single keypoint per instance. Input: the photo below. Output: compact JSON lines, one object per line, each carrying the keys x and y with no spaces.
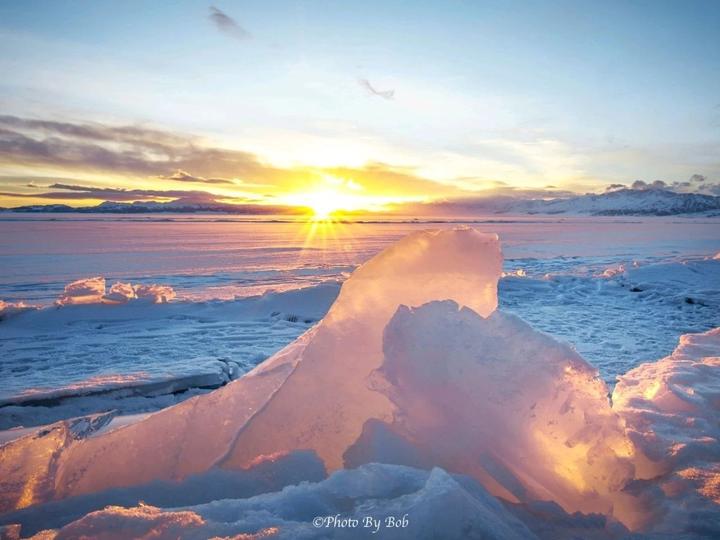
{"x":213,"y":256}
{"x":620,"y":290}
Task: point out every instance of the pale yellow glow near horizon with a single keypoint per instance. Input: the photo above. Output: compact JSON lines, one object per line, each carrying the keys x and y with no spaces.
{"x":332,"y":196}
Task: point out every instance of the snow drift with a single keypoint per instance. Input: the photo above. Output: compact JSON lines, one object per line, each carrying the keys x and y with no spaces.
{"x":412,"y":366}
{"x":8,"y":309}
{"x":672,"y":412}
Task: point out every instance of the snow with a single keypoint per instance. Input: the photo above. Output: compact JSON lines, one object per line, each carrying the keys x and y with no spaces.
{"x":436,"y":503}
{"x":83,"y":291}
{"x":154,"y":355}
{"x":468,"y":261}
{"x":419,"y":397}
{"x":612,"y":313}
{"x":121,"y":293}
{"x":390,"y":491}
{"x":92,"y":291}
{"x":671,"y":408}
{"x":158,"y":294}
{"x":8,"y":309}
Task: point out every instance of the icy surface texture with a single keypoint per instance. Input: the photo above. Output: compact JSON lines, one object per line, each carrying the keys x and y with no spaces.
{"x":672,"y":411}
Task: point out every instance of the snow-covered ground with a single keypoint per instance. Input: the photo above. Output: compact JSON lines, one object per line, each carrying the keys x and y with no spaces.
{"x":415,"y":403}
{"x":61,"y":361}
{"x":618,"y":315}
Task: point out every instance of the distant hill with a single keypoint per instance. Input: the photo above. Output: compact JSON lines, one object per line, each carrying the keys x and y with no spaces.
{"x":651,"y":202}
{"x":147,"y":207}
{"x":630,"y":202}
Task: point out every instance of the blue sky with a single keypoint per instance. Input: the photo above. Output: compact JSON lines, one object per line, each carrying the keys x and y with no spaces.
{"x":487,"y":95}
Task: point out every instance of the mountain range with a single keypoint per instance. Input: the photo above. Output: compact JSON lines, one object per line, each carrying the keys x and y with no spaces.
{"x":646,"y":202}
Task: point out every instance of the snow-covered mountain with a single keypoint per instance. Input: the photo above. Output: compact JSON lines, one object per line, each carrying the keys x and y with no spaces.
{"x":144,"y":207}
{"x":649,"y":202}
{"x":655,"y":202}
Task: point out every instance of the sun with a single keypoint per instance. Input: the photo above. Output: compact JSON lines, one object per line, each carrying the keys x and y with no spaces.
{"x":326,"y":203}
{"x":331,"y":197}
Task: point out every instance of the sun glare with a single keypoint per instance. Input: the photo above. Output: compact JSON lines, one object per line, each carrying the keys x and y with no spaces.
{"x":328,"y":203}
{"x":332,"y":198}
{"x":325,"y":203}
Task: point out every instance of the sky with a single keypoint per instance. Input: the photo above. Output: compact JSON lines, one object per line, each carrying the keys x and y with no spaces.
{"x":369,"y":103}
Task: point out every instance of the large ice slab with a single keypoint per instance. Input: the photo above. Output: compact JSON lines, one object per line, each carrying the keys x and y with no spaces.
{"x":327,"y":400}
{"x":510,"y":406}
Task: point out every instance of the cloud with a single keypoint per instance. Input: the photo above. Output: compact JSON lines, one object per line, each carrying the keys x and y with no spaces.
{"x":227,"y":25}
{"x":95,"y":132}
{"x":75,"y":152}
{"x":385,"y":94}
{"x":489,"y":202}
{"x":119,"y":149}
{"x":79,"y":192}
{"x":173,"y":198}
{"x":182,"y":176}
{"x":697,"y":183}
{"x":640,"y":185}
{"x":70,"y":155}
{"x":388,"y":180}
